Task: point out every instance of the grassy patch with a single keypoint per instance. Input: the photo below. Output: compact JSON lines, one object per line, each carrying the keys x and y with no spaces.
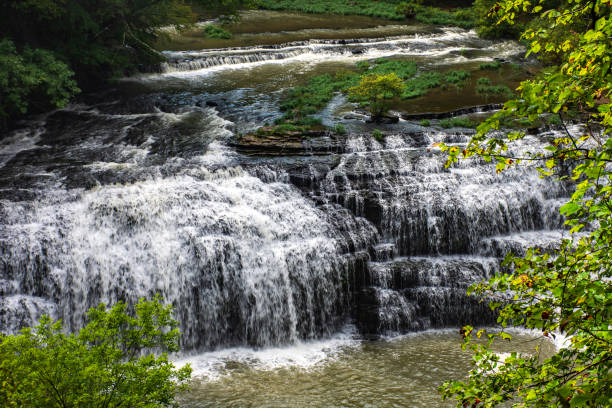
{"x":484,"y":81}
{"x":491,"y":66}
{"x":385,"y":9}
{"x":455,"y":77}
{"x":303,"y":101}
{"x":340,"y":129}
{"x":425,"y":122}
{"x":378,"y":135}
{"x":382,"y":66}
{"x":488,"y":90}
{"x":307,"y":100}
{"x":213,"y":31}
{"x":463,"y":18}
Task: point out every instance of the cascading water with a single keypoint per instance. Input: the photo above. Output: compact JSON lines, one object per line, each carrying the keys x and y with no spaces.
{"x":450,"y":42}
{"x":121,"y":200}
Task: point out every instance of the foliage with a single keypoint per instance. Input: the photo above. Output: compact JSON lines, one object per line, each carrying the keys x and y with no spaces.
{"x":405,"y":9}
{"x":463,"y":18}
{"x":487,"y":26}
{"x":484,"y":81}
{"x":455,"y":77}
{"x":340,"y":129}
{"x":425,"y":122}
{"x":97,"y":40}
{"x":493,"y":90}
{"x":457,"y":122}
{"x":105,"y":364}
{"x":309,"y":99}
{"x":378,"y":135}
{"x":213,"y":31}
{"x":568,"y":291}
{"x":227,"y":10}
{"x":390,"y":9}
{"x":378,"y":90}
{"x":32,"y":81}
{"x":384,"y":9}
{"x":314,"y":96}
{"x":491,"y":66}
{"x":403,"y":69}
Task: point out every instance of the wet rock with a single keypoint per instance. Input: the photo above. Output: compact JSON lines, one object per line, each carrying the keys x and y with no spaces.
{"x":451,"y":114}
{"x":212,"y":104}
{"x":384,"y":120}
{"x":353,"y":117}
{"x":290,"y":143}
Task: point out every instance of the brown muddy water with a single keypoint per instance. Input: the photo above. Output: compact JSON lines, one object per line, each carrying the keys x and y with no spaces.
{"x":399,"y":372}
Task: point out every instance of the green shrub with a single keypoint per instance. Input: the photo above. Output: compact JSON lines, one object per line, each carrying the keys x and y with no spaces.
{"x":118,"y":359}
{"x":309,"y":99}
{"x":405,"y":9}
{"x":425,"y":122}
{"x":378,"y":91}
{"x":308,"y":121}
{"x":484,"y":81}
{"x":32,"y":81}
{"x":340,"y":129}
{"x":488,"y":26}
{"x":553,"y":120}
{"x":363,"y":65}
{"x":455,"y":77}
{"x":212,"y":31}
{"x":492,"y":66}
{"x":378,"y":135}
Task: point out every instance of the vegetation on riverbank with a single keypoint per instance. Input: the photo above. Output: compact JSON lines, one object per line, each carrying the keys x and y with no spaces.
{"x":47,"y":45}
{"x":114,"y":361}
{"x":567,"y":292}
{"x":303,"y":101}
{"x":390,"y":9}
{"x":212,"y":31}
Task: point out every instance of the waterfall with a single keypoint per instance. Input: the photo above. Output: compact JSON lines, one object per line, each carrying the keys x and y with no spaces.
{"x":250,"y":251}
{"x":449,"y":41}
{"x":441,"y":229}
{"x":150,"y":194}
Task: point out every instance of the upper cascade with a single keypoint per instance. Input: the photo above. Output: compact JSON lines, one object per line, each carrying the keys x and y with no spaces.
{"x":447,"y":41}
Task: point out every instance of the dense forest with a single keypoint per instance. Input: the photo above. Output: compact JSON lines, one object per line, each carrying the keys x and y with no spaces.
{"x":50,"y":50}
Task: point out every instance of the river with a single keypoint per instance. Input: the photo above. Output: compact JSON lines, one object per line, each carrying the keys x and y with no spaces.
{"x":296,"y":275}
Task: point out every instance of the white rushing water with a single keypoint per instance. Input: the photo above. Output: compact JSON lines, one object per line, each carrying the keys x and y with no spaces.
{"x":124,"y":200}
{"x":445,"y":47}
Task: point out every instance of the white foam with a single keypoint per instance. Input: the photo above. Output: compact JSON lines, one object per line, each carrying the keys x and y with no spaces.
{"x":304,"y":355}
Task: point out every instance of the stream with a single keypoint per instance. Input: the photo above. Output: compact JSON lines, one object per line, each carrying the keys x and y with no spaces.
{"x":333,"y":274}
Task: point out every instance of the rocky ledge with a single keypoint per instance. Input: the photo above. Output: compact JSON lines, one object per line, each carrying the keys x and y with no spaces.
{"x":268,"y":142}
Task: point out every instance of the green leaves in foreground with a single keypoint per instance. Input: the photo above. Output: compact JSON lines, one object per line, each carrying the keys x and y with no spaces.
{"x":108,"y":363}
{"x":567,"y":292}
{"x":32,"y":81}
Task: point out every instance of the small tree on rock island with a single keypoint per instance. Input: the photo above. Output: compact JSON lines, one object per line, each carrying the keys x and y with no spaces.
{"x":378,"y":91}
{"x":107,"y":364}
{"x":567,"y":292}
